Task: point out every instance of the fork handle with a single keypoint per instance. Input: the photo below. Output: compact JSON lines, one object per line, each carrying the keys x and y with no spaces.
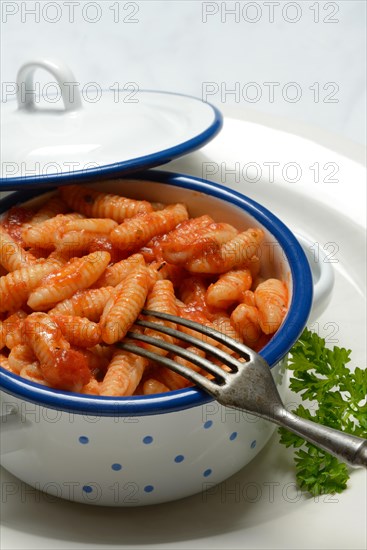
{"x":349,"y":448}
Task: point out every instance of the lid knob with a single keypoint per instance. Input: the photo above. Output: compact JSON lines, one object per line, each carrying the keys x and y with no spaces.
{"x":62,"y":74}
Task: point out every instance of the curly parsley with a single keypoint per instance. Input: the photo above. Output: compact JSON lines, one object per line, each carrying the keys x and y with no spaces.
{"x":320,"y":375}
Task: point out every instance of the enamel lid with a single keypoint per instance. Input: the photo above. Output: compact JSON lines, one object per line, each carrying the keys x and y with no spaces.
{"x":60,"y":135}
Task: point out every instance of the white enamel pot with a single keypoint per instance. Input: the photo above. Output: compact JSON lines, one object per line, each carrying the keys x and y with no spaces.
{"x":144,"y":450}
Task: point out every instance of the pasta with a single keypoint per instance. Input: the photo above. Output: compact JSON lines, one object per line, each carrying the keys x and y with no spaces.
{"x":236,"y":252}
{"x":161,"y":298}
{"x":271,"y":299}
{"x":229,"y":288}
{"x":124,"y":374}
{"x":12,"y":255}
{"x":102,"y":205}
{"x":124,"y":306}
{"x":20,"y":357}
{"x":78,"y":331}
{"x":43,"y":234}
{"x":196,"y":236}
{"x":76,"y":273}
{"x":136,"y":232}
{"x":87,"y":303}
{"x":16,"y":286}
{"x":61,"y":366}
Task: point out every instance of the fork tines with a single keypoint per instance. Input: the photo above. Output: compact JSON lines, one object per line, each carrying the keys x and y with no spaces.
{"x":220,"y":375}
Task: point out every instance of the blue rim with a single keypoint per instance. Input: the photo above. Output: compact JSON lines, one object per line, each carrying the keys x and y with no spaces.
{"x":125,"y":167}
{"x":275,"y":350}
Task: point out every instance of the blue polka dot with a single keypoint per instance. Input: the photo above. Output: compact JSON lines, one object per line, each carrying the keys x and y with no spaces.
{"x":147,"y":440}
{"x":83,"y":439}
{"x":148,"y":488}
{"x":253,"y":444}
{"x":233,"y":436}
{"x":116,"y":466}
{"x":179,"y":458}
{"x":208,"y":424}
{"x":207,"y":472}
{"x":87,"y":489}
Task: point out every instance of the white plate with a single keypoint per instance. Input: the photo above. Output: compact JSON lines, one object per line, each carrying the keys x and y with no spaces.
{"x":260,"y":507}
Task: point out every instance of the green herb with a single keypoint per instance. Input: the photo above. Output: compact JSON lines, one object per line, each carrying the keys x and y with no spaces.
{"x":320,"y":375}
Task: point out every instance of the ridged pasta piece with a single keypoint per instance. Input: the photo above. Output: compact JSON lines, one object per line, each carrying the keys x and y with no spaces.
{"x":172,"y":380}
{"x":4,"y":363}
{"x":229,"y":288}
{"x":233,"y":254}
{"x":245,"y":320}
{"x":152,"y":386}
{"x":134,"y":233}
{"x":195,"y":237}
{"x":44,"y":234}
{"x":95,"y":204}
{"x":116,"y":273}
{"x":271,"y":298}
{"x":74,"y":243}
{"x":62,"y":367}
{"x":80,"y":235}
{"x":11,"y":330}
{"x":77,"y":274}
{"x":123,"y":375}
{"x":222,"y":322}
{"x":179,"y":244}
{"x":33,"y":373}
{"x":78,"y":331}
{"x":124,"y":307}
{"x":161,"y":298}
{"x":12,"y":255}
{"x":85,"y":303}
{"x":18,"y":285}
{"x":20,"y":356}
{"x":91,"y":225}
{"x":91,"y":388}
{"x":54,"y":206}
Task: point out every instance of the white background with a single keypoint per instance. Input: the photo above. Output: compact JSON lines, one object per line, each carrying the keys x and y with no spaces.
{"x":208,"y":49}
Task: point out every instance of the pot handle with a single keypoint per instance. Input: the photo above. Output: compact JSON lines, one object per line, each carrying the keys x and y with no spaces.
{"x":322,"y":275}
{"x":26,"y":94}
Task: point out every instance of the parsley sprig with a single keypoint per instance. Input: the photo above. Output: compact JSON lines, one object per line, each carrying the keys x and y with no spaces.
{"x":320,"y":375}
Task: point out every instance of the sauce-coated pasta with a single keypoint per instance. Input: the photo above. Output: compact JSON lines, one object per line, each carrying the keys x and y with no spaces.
{"x":77,"y":272}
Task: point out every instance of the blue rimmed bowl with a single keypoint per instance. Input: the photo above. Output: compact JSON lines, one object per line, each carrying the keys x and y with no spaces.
{"x":144,"y":450}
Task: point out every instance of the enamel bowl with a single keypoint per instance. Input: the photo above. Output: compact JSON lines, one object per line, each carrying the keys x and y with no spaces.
{"x":144,"y":450}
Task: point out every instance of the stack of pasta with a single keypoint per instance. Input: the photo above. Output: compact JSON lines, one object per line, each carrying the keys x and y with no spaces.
{"x":77,"y":272}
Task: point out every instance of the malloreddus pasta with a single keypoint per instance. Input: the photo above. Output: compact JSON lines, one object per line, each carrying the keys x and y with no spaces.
{"x":79,"y":270}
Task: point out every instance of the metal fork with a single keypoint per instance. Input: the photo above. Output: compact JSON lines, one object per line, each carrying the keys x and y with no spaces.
{"x":248,"y":386}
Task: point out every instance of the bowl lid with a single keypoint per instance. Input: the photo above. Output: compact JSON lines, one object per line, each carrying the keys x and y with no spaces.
{"x":58,"y":135}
